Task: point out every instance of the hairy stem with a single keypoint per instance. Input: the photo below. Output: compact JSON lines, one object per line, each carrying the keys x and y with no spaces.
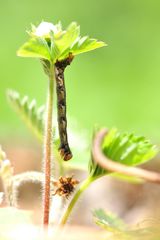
{"x":19,"y":179}
{"x":75,"y":198}
{"x":48,"y":148}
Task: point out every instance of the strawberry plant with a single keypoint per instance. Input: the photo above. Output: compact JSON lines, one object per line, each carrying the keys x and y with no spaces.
{"x":112,"y":152}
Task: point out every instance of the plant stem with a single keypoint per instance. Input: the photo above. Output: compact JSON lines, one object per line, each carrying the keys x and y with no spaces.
{"x":82,"y":188}
{"x":48,"y":148}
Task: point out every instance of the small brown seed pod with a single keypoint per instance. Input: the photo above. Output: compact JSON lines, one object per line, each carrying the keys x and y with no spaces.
{"x":65,"y":186}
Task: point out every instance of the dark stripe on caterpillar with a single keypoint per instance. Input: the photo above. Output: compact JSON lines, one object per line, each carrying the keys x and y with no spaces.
{"x":61,"y":107}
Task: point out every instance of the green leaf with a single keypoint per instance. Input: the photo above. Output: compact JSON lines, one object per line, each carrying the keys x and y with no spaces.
{"x":128,"y":148}
{"x":67,"y":39}
{"x":124,"y":148}
{"x":95,"y":170}
{"x":108,"y":221}
{"x":51,"y":42}
{"x":86,"y":44}
{"x":33,"y":116}
{"x":35,"y":47}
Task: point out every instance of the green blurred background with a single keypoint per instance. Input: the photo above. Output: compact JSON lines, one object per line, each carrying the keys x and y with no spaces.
{"x":113,"y":86}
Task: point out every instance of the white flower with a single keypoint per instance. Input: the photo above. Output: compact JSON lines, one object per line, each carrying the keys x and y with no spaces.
{"x":44,"y":29}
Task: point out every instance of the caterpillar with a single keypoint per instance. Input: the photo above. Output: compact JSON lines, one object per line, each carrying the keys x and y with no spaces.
{"x":64,"y":148}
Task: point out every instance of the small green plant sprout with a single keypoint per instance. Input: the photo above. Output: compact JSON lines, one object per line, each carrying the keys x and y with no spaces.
{"x":51,"y":42}
{"x":125,"y":148}
{"x":132,"y":149}
{"x":56,"y":49}
{"x":136,"y":147}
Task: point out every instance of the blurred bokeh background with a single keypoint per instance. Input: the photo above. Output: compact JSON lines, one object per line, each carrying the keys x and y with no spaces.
{"x":113,"y":86}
